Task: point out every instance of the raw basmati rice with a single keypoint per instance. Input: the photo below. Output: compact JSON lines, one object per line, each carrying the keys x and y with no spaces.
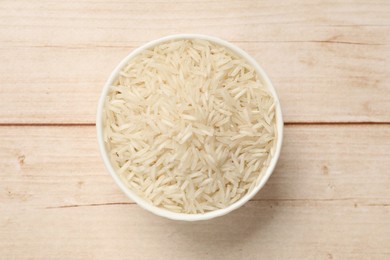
{"x":189,"y":126}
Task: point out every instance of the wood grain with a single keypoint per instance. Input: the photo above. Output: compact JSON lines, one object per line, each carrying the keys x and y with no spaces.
{"x":329,"y":197}
{"x":258,"y":230}
{"x":329,"y":61}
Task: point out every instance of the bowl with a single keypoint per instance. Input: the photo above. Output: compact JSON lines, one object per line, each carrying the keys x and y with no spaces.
{"x":184,"y":216}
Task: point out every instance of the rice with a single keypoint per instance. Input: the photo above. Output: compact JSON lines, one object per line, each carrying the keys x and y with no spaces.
{"x":189,"y":126}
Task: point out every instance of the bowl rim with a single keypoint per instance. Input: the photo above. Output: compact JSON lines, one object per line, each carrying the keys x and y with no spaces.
{"x":185,"y":216}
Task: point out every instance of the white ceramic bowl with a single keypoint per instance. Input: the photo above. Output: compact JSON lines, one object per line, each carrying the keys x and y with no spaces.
{"x":164,"y":212}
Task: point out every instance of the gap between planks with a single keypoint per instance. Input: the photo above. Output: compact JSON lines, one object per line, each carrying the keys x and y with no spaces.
{"x":354,"y":201}
{"x":286,"y":124}
{"x":131,"y":44}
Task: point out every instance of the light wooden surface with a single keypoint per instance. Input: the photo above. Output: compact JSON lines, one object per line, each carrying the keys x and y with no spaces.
{"x":329,"y":197}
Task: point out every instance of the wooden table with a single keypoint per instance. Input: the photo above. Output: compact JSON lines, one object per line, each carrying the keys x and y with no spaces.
{"x":329,"y":196}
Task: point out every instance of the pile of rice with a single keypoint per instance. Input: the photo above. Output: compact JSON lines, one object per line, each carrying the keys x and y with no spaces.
{"x":189,"y":126}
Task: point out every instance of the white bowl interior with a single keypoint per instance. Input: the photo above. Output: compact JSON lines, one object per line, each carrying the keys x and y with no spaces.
{"x":183,"y":216}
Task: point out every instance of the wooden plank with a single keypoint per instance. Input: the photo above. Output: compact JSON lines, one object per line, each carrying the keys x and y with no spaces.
{"x":334,"y":92}
{"x":258,"y":230}
{"x":317,"y":162}
{"x":117,"y":22}
{"x":329,"y":197}
{"x":329,"y":61}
